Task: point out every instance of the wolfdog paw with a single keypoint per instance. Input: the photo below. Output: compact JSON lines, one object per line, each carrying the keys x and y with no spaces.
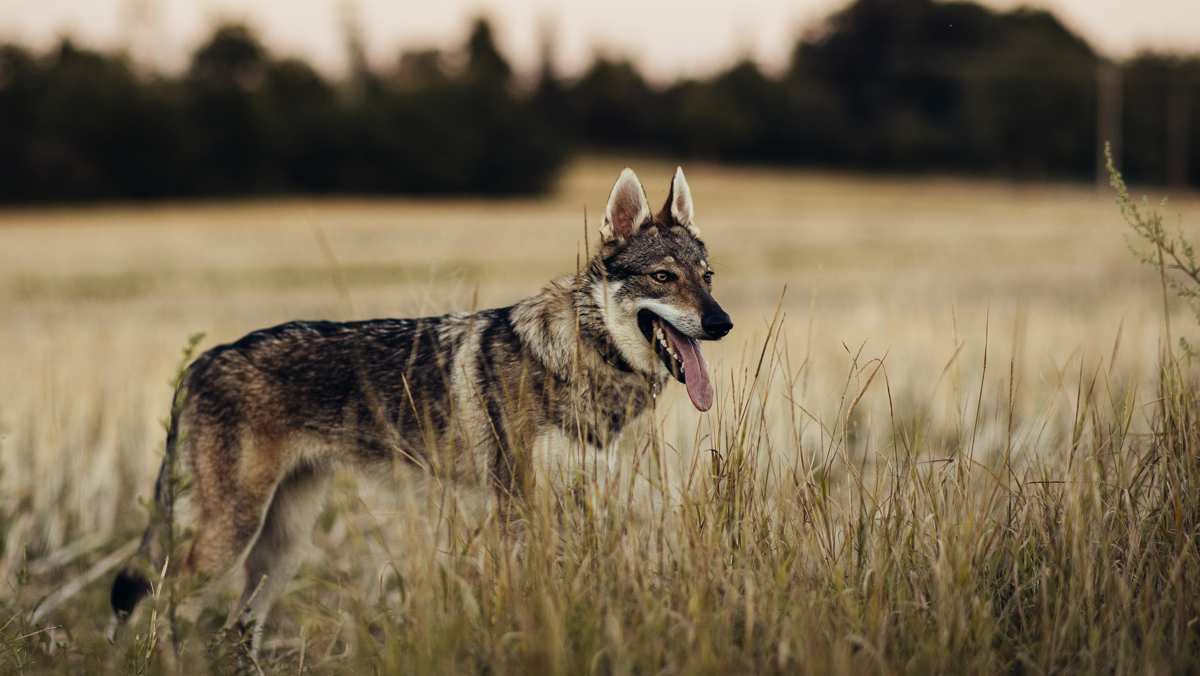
{"x":231,"y":651}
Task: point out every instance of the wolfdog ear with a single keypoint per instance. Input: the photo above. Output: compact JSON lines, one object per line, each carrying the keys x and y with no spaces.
{"x":627,"y":209}
{"x":678,"y":208}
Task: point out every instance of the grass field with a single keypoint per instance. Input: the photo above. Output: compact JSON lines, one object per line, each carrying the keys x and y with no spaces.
{"x":948,"y":447}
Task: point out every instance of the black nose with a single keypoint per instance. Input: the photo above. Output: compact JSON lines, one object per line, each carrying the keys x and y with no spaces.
{"x":716,"y":324}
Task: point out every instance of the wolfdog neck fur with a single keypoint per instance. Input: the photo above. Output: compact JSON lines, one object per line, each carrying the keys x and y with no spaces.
{"x":263,"y":421}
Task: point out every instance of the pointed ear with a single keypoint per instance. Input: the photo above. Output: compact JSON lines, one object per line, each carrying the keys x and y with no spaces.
{"x":627,"y":209}
{"x":678,"y":208}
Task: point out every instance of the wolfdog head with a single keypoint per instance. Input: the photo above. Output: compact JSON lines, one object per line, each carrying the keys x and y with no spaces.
{"x":655,"y":285}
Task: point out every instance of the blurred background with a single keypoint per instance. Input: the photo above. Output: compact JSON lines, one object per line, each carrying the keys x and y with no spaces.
{"x":923,"y":178}
{"x":915,"y":188}
{"x":145,"y":99}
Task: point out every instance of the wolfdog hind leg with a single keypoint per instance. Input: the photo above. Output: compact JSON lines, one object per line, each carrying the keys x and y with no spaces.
{"x":275,"y":554}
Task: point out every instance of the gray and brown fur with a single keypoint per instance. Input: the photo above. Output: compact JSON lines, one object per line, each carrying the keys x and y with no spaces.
{"x":263,"y":422}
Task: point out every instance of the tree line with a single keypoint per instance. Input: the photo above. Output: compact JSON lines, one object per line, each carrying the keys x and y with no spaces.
{"x":881,"y":85}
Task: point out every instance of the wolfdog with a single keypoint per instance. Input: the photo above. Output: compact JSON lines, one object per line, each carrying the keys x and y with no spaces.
{"x":264,"y":421}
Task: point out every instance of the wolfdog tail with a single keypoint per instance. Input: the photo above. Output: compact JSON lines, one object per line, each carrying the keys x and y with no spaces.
{"x":132,"y":583}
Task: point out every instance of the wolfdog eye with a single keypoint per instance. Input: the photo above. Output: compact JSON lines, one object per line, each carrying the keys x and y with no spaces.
{"x":663,"y":276}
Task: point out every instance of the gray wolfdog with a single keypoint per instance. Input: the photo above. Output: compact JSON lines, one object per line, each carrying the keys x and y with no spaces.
{"x":264,"y":421}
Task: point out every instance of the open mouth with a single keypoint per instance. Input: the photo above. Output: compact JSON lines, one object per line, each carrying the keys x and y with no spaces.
{"x":681,"y":355}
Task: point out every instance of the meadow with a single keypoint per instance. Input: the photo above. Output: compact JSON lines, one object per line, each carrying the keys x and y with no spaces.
{"x":950,"y":436}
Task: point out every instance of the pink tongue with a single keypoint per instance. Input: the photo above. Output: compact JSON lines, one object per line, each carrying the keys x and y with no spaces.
{"x":695,"y":369}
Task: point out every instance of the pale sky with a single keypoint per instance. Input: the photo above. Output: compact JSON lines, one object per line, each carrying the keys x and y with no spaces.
{"x":667,"y":38}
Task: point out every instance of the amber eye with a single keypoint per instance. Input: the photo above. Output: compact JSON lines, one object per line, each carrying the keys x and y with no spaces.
{"x":663,"y":276}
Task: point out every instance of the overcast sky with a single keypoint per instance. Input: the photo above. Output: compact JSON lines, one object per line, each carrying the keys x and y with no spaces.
{"x":668,"y":38}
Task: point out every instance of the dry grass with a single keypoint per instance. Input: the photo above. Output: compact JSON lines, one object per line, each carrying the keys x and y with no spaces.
{"x":952,"y":449}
